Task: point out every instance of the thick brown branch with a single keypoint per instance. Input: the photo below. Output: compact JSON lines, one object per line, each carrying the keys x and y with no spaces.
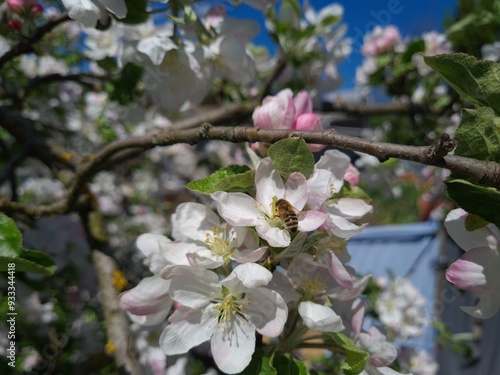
{"x":116,"y":322}
{"x":27,"y":44}
{"x":483,"y":172}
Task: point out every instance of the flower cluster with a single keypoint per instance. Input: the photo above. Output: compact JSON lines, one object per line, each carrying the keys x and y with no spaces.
{"x":270,"y":254}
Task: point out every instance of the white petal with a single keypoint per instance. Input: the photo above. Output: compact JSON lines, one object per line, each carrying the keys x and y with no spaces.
{"x":237,"y":208}
{"x":147,"y":298}
{"x":204,"y":259}
{"x":343,"y":228}
{"x":250,"y":275}
{"x":311,"y":220}
{"x":189,"y":328}
{"x":467,"y":240}
{"x":117,"y":7}
{"x":267,"y":311}
{"x":296,"y":190}
{"x":318,"y":188}
{"x":155,"y":47}
{"x":487,"y":306}
{"x":349,"y":208}
{"x":336,"y":162}
{"x":232,"y":346}
{"x":276,"y":237}
{"x":319,"y":317}
{"x":150,"y":245}
{"x":175,"y":252}
{"x":84,"y":11}
{"x":268,"y":183}
{"x":249,"y":255}
{"x":192,"y":287}
{"x":192,"y":221}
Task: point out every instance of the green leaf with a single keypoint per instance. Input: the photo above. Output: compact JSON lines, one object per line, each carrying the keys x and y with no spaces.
{"x":11,"y":251}
{"x":292,"y":155}
{"x":476,"y":81}
{"x":30,"y":261}
{"x":136,"y":12}
{"x":294,"y":248}
{"x":355,"y":358}
{"x":232,"y":178}
{"x":473,"y":222}
{"x":10,"y":238}
{"x":285,"y":365}
{"x":478,"y":200}
{"x":255,"y":365}
{"x":478,"y":135}
{"x":122,"y":89}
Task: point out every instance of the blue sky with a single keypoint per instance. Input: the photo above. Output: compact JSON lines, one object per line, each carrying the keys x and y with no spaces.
{"x":413,"y":17}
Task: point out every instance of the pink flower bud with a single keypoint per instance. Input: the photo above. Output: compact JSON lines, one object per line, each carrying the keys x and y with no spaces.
{"x":303,"y":103}
{"x":352,"y":175}
{"x":309,"y":121}
{"x":276,"y":112}
{"x":18,"y":6}
{"x":15,"y":25}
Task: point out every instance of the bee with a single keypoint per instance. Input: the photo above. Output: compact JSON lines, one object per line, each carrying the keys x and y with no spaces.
{"x":287,"y":214}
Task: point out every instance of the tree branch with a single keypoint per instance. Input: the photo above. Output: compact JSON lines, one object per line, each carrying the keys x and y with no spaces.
{"x":482,"y":172}
{"x":26,"y":45}
{"x":116,"y":323}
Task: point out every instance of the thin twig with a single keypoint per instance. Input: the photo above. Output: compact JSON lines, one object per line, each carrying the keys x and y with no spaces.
{"x":27,"y":44}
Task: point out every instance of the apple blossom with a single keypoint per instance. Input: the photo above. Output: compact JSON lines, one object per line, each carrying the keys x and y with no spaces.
{"x":203,"y":241}
{"x":401,"y":308}
{"x":239,"y":209}
{"x":226,"y":312}
{"x":477,"y":270}
{"x":382,"y":39}
{"x":88,"y":12}
{"x":284,"y":111}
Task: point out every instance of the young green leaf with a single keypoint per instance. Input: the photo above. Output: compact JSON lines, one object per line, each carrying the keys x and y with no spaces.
{"x":478,"y":82}
{"x":232,"y":178}
{"x":355,"y":358}
{"x":479,"y":200}
{"x":12,"y":251}
{"x":10,"y":238}
{"x":292,"y":155}
{"x":478,"y":135}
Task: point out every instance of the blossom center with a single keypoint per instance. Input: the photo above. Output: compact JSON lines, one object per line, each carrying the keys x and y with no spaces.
{"x":219,"y":241}
{"x":314,"y":286}
{"x":229,"y":307}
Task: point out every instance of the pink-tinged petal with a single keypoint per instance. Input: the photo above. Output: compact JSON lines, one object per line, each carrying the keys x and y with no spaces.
{"x":175,"y":252}
{"x":232,"y":346}
{"x":343,"y":228}
{"x":455,"y":226}
{"x":318,"y":188}
{"x":148,"y":297}
{"x":349,"y":208}
{"x":319,"y":317}
{"x":358,"y":286}
{"x":311,"y":220}
{"x":268,"y":183}
{"x":296,"y":190}
{"x":276,"y":237}
{"x":487,"y":306}
{"x":303,"y":103}
{"x":339,"y":273}
{"x":153,"y":319}
{"x":237,"y":208}
{"x":249,"y":255}
{"x":307,"y":121}
{"x":475,"y":271}
{"x":189,"y":328}
{"x":382,"y":353}
{"x":267,"y":311}
{"x":192,"y":220}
